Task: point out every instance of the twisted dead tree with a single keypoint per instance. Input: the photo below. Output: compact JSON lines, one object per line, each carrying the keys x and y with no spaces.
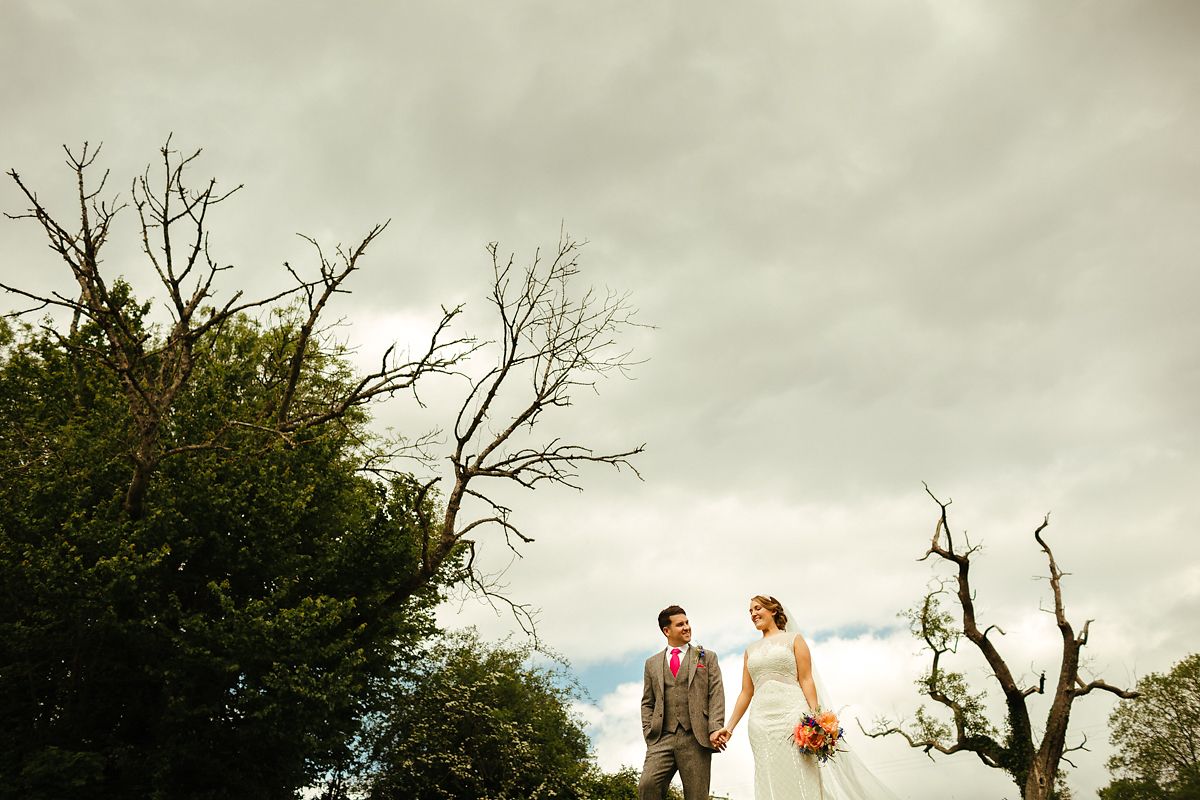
{"x":1033,"y":765}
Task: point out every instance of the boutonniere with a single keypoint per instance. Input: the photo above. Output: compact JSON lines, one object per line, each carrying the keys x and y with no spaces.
{"x":701,"y":657}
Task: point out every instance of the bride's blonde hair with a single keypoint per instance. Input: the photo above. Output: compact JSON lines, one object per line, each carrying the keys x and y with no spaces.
{"x":775,"y":607}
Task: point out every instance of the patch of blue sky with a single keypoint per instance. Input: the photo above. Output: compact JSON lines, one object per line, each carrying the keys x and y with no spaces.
{"x":601,"y":677}
{"x":856,"y":631}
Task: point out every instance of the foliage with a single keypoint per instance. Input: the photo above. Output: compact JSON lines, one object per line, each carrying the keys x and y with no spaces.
{"x":928,"y":621}
{"x":620,"y":785}
{"x":226,"y":641}
{"x":1157,"y":737}
{"x":476,"y":720}
{"x":1187,"y":787}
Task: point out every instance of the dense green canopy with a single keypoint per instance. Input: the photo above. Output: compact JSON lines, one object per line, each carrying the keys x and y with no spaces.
{"x":224,"y":643}
{"x":1157,"y":738}
{"x":478,"y":720}
{"x":475,"y":720}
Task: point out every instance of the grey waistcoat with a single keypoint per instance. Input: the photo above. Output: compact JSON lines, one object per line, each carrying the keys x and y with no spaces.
{"x":675,"y":712}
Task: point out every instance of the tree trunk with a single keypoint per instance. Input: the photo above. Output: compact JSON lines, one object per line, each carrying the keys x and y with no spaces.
{"x":1040,"y":782}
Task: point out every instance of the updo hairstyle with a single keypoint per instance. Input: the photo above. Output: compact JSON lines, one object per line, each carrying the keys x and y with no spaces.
{"x":775,"y":607}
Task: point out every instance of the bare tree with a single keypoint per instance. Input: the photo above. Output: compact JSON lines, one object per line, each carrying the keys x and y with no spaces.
{"x":1033,"y":764}
{"x":173,"y":221}
{"x":551,"y":343}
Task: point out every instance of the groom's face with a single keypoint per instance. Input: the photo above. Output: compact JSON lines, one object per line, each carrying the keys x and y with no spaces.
{"x":679,"y":632}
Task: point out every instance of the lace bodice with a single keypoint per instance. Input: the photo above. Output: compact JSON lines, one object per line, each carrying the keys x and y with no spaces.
{"x":772,"y":659}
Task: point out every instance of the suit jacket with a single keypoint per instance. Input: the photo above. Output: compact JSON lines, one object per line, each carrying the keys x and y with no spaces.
{"x":706,"y":695}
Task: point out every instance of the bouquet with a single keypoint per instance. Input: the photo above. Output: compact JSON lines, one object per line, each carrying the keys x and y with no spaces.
{"x":818,"y":734}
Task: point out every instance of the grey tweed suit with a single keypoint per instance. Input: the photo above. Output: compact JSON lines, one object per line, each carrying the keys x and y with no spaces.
{"x":678,"y":714}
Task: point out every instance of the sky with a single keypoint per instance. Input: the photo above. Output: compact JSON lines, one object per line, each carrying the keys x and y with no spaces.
{"x":874,"y":244}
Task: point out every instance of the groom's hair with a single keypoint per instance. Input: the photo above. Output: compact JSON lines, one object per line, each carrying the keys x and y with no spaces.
{"x":664,"y":616}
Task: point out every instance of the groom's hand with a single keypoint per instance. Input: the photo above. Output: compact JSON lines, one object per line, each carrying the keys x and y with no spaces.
{"x":720,"y":738}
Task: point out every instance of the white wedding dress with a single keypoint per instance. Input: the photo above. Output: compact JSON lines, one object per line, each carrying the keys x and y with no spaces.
{"x":781,"y":771}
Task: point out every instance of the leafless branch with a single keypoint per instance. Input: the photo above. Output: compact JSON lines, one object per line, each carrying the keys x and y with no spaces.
{"x":1081,"y":746}
{"x":550,"y":343}
{"x":379,"y":457}
{"x":488,"y":589}
{"x":1085,"y":688}
{"x":884,"y":728}
{"x":442,"y":357}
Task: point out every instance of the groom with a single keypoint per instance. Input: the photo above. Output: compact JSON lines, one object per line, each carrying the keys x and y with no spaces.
{"x":683,"y":706}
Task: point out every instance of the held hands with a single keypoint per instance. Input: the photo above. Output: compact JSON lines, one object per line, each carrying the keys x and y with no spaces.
{"x":720,"y":738}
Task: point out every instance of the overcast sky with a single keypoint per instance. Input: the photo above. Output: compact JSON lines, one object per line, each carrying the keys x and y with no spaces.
{"x":881,"y":243}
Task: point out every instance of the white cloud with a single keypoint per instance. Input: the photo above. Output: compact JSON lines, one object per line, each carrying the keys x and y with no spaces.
{"x":614,"y":724}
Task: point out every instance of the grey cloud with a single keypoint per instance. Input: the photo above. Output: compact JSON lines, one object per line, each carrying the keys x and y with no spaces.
{"x":881,"y":243}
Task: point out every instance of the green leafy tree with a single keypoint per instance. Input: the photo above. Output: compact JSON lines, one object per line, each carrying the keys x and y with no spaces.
{"x":1157,"y":738}
{"x":225,"y":641}
{"x":472,"y":719}
{"x":210,"y":568}
{"x":1034,"y":763}
{"x":476,"y":720}
{"x":621,"y":785}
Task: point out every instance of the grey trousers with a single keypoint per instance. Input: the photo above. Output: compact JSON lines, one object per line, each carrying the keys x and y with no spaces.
{"x":671,"y":753}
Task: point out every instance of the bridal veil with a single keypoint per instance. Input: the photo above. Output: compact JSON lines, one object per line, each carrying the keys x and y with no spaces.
{"x":844,"y":776}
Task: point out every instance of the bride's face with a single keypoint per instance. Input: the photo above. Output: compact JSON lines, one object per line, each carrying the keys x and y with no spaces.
{"x":763,"y":619}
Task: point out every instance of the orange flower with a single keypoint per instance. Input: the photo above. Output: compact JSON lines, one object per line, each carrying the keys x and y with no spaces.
{"x":804,"y":735}
{"x":829,"y":721}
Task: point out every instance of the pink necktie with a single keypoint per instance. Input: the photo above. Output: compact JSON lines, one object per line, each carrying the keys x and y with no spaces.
{"x":675,"y":662}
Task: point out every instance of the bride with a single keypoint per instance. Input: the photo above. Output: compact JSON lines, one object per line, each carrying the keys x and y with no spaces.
{"x":777,"y":674}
